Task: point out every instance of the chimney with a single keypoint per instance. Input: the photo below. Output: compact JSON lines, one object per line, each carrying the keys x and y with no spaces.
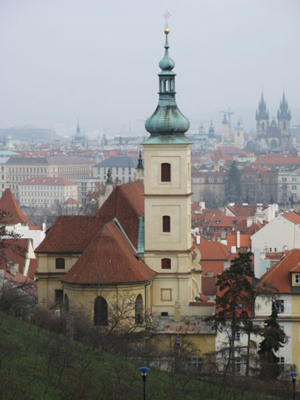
{"x":198,"y":239}
{"x":238,"y":239}
{"x":249,"y":221}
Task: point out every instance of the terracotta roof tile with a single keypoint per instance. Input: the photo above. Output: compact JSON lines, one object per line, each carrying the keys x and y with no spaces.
{"x":292,"y":217}
{"x":279,"y":274}
{"x":109,"y":259}
{"x":10,"y":209}
{"x":244,"y":241}
{"x":212,"y":250}
{"x":13,"y":250}
{"x":69,"y":234}
{"x":215,"y":267}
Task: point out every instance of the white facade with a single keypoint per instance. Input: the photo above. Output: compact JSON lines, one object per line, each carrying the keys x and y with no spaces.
{"x":277,"y":236}
{"x":46,"y":192}
{"x":288,"y":186}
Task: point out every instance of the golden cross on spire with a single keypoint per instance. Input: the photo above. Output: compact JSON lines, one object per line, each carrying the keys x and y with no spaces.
{"x":166,"y":16}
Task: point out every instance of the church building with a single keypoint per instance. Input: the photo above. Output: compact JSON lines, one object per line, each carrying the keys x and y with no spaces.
{"x":139,"y":244}
{"x":274,"y":136}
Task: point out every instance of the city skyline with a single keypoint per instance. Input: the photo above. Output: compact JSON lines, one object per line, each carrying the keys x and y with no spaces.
{"x":67,"y":60}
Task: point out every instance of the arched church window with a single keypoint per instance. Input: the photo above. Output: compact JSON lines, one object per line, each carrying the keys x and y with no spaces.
{"x":166,"y":220}
{"x":100,"y":312}
{"x":166,"y":263}
{"x":284,"y":125}
{"x":263,"y":126}
{"x":166,"y":172}
{"x":139,"y":310}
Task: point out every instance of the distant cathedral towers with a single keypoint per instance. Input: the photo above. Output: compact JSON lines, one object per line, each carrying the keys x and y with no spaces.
{"x":274,"y":136}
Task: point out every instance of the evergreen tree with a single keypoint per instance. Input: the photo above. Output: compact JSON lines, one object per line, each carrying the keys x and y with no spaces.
{"x":274,"y":339}
{"x":233,"y":188}
{"x":235,"y":298}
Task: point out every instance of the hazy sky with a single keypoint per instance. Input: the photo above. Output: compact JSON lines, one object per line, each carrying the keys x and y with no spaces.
{"x":98,"y":60}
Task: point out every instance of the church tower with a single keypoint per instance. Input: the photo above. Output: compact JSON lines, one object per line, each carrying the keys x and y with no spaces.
{"x":284,"y":117}
{"x":239,"y":136}
{"x":262,"y":117}
{"x":168,"y":200}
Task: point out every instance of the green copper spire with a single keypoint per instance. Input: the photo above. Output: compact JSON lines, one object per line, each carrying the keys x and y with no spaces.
{"x":167,"y":120}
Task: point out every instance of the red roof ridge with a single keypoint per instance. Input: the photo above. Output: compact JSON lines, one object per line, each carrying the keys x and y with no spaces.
{"x":9,"y":205}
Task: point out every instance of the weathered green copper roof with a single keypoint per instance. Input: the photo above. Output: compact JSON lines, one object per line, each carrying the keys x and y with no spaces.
{"x":167,"y":139}
{"x":167,"y":118}
{"x":166,"y":64}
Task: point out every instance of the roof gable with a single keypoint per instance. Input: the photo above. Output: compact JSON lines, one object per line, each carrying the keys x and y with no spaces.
{"x":10,"y":210}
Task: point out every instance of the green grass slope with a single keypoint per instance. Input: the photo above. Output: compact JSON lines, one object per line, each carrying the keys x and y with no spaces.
{"x":39,"y":364}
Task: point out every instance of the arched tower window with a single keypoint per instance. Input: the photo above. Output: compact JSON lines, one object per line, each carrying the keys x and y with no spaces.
{"x":284,"y":125}
{"x":166,"y":172}
{"x":66,"y":303}
{"x":100,"y":312}
{"x":263,"y":126}
{"x":166,"y":222}
{"x":166,"y":263}
{"x":139,"y":310}
{"x":60,"y":263}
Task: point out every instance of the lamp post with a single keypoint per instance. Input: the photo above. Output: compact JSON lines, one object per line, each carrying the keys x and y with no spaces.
{"x":144,"y":371}
{"x":294,"y":376}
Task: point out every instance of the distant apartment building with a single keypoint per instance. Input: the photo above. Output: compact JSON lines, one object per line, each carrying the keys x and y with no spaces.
{"x":19,"y":169}
{"x":259,"y":185}
{"x":122,"y":169}
{"x":45,"y":192}
{"x":208,"y":186}
{"x":289,"y":186}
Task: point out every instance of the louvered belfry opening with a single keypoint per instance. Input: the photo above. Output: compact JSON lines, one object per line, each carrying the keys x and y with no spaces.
{"x":166,"y":172}
{"x":166,"y":263}
{"x":166,"y":220}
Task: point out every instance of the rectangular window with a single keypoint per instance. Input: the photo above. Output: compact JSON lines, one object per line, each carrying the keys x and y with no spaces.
{"x":59,"y":295}
{"x":195,"y":365}
{"x":166,"y":223}
{"x":166,"y":172}
{"x":297,"y":278}
{"x":166,"y":263}
{"x":280,"y":306}
{"x":60,"y":263}
{"x":237,"y":336}
{"x":164,"y":314}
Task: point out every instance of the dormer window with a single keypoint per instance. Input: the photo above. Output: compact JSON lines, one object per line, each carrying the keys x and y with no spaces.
{"x":297,"y":278}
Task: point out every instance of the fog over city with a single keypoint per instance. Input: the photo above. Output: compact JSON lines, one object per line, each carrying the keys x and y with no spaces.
{"x":98,"y":60}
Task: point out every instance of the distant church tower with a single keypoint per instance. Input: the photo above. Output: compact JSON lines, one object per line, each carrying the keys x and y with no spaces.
{"x":284,"y":117}
{"x":262,"y":117}
{"x":168,"y":199}
{"x":239,"y":136}
{"x":226,"y":129}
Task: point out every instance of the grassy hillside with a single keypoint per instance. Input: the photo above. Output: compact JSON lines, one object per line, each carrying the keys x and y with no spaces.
{"x":38,"y":364}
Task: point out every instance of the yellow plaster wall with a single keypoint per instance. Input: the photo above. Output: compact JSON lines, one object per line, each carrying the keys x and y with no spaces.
{"x":296,"y":330}
{"x":84,"y":296}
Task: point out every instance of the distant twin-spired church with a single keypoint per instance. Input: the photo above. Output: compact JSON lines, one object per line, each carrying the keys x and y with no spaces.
{"x":274,"y":136}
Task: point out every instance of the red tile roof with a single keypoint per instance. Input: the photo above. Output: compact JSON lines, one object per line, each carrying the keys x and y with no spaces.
{"x":292,"y":217}
{"x":69,"y":234}
{"x":71,"y":201}
{"x":244,"y":241}
{"x":10,"y":209}
{"x":279,"y":274}
{"x":213,"y":251}
{"x":109,"y":259}
{"x":278,"y":159}
{"x":72,"y":234}
{"x":126,"y":203}
{"x":215,"y":267}
{"x":244,"y":211}
{"x":13,"y":250}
